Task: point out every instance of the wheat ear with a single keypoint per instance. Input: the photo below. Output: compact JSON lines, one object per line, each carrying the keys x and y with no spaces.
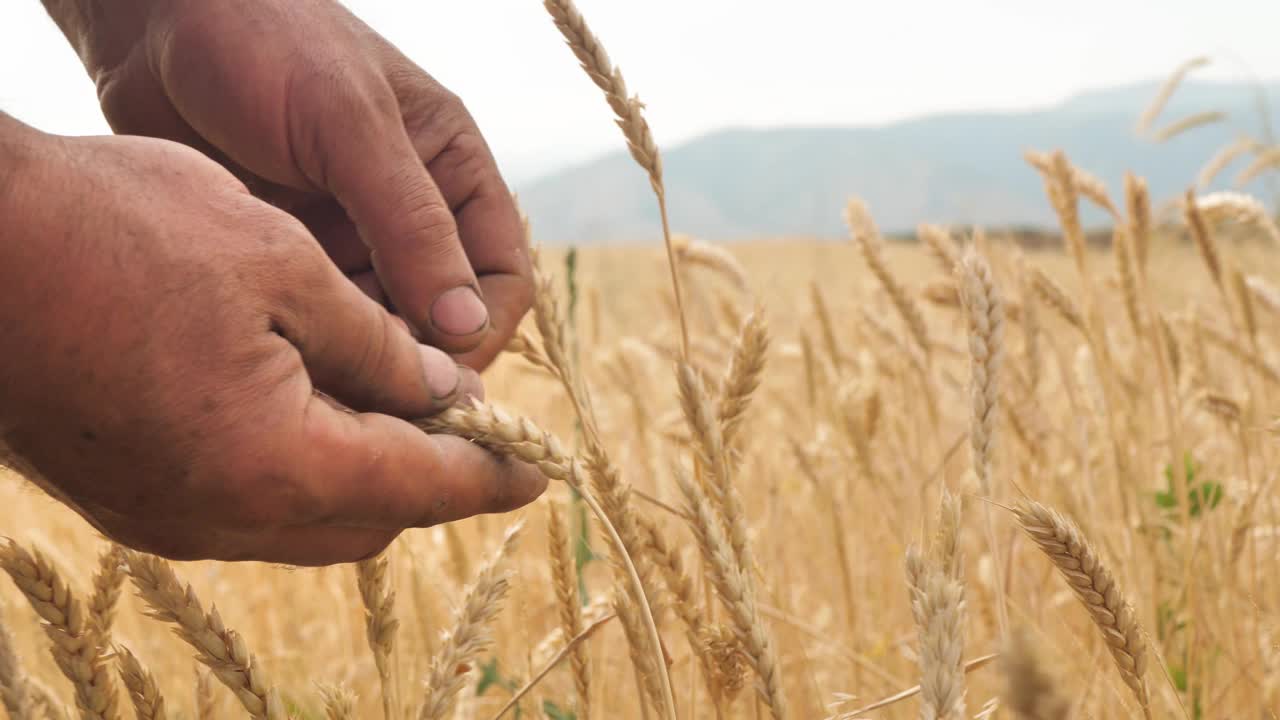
{"x":73,"y":638}
{"x":630,"y":119}
{"x":1187,"y":123}
{"x":205,"y":701}
{"x":742,"y":377}
{"x":1229,"y":153}
{"x":1239,"y":208}
{"x":732,"y":584}
{"x":1263,"y":161}
{"x":380,"y":624}
{"x":1203,"y":237}
{"x":1092,"y":582}
{"x":1055,"y":297}
{"x":985,"y":313}
{"x":1122,"y":248}
{"x":937,"y":603}
{"x":522,"y":439}
{"x":339,"y":702}
{"x":1166,"y":90}
{"x":107,"y":582}
{"x":223,"y":650}
{"x":941,"y":247}
{"x":148,"y":703}
{"x":866,"y":236}
{"x":470,"y":634}
{"x":1138,"y":203}
{"x":569,"y":605}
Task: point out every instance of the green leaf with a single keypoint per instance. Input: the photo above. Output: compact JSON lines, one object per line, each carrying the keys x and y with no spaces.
{"x":553,"y":712}
{"x":489,"y":676}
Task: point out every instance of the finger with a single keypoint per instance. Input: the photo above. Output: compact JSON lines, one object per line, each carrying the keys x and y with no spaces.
{"x":374,"y":471}
{"x":352,"y":347}
{"x":508,"y":300}
{"x":312,"y":546}
{"x":373,"y":171}
{"x":488,"y":223}
{"x":367,"y":282}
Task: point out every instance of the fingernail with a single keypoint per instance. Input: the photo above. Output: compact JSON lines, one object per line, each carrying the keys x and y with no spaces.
{"x":459,"y":312}
{"x":443,"y":377}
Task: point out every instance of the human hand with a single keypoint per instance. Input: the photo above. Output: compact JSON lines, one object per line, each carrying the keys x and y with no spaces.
{"x":164,"y":336}
{"x":321,"y":116}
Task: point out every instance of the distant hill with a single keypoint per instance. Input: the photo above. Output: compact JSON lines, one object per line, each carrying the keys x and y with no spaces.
{"x":955,"y":169}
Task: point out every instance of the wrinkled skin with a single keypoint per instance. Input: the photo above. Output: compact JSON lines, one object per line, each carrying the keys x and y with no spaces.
{"x":190,"y":362}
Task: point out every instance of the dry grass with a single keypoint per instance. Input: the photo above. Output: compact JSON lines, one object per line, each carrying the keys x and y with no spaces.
{"x":741,"y":502}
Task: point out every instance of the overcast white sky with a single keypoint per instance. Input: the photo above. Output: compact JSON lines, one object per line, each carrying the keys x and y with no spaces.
{"x":706,"y":64}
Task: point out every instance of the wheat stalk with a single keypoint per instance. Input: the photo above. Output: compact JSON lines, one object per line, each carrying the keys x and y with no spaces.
{"x":470,"y":633}
{"x":73,"y":638}
{"x":1092,"y":582}
{"x":221,"y":649}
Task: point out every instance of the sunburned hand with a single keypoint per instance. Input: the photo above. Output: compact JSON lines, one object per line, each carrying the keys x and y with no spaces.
{"x":164,"y":336}
{"x":322,"y":117}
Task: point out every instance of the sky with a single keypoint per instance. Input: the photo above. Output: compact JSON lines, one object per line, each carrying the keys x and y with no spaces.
{"x":701,"y":65}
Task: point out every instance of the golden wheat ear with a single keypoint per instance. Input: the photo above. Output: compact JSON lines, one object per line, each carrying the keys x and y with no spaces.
{"x":1089,"y":578}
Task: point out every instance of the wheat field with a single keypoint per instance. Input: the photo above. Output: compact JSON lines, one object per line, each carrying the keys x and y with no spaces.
{"x":944,"y":478}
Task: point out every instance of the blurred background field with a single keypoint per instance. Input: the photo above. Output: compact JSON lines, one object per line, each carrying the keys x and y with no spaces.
{"x":1140,"y":401}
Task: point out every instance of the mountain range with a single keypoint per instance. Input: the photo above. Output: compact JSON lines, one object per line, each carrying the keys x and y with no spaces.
{"x":959,"y":169}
